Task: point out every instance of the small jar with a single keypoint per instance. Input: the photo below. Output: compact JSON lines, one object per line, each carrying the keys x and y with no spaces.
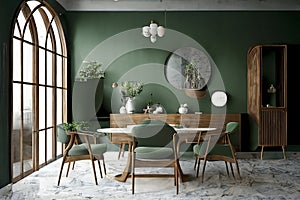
{"x":183,"y":109}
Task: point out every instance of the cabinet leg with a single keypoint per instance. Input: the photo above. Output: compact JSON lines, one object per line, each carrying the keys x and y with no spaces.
{"x":262,"y":152}
{"x":283,"y":151}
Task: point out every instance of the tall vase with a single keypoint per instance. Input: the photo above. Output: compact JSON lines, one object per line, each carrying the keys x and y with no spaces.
{"x":130,"y":105}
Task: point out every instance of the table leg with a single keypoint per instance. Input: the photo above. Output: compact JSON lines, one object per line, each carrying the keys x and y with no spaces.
{"x":126,"y":172}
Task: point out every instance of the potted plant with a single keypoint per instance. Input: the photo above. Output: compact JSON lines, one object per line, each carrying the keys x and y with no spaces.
{"x":91,"y":70}
{"x":88,"y":90}
{"x":194,"y":82}
{"x":131,"y":89}
{"x":74,"y":126}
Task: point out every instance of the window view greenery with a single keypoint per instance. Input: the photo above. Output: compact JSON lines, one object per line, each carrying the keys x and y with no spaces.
{"x":39,"y":87}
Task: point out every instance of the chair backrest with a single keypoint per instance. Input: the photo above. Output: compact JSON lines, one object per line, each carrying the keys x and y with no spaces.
{"x":231,"y":127}
{"x":61,"y":134}
{"x":153,"y":133}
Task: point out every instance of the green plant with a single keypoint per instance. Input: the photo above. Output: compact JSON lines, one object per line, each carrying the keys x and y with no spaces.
{"x":131,"y":88}
{"x":74,"y":126}
{"x":192,"y":76}
{"x":92,"y":70}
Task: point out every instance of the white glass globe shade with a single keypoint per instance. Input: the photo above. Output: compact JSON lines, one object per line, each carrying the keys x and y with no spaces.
{"x":153,"y":28}
{"x":160,"y":31}
{"x":146,"y":31}
{"x":153,"y":38}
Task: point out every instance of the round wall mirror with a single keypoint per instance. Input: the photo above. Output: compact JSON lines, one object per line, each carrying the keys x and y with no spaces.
{"x":188,"y":68}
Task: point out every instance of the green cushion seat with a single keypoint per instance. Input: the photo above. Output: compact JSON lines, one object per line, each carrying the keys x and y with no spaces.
{"x":218,"y":149}
{"x":78,"y":150}
{"x":154,"y":152}
{"x":98,"y":148}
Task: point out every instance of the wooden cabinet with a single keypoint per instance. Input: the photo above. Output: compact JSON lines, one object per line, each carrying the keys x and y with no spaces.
{"x":267,"y":93}
{"x":188,"y":120}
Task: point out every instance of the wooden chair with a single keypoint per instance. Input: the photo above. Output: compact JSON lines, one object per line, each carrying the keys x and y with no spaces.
{"x":77,"y":150}
{"x":154,"y":146}
{"x":216,"y":146}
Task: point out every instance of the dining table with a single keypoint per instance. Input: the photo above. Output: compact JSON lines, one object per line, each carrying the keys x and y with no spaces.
{"x":185,"y":135}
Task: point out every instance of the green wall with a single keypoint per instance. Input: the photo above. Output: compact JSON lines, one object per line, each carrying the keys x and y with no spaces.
{"x":225,"y":35}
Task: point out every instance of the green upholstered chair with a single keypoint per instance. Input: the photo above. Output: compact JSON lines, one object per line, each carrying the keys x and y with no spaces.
{"x":76,"y":150}
{"x":155,"y":146}
{"x":216,"y":146}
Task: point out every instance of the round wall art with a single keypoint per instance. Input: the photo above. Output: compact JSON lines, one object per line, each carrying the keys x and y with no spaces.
{"x":188,"y":68}
{"x":219,"y":98}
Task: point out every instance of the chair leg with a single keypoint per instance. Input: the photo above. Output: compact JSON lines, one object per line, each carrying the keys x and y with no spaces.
{"x":238,"y":169}
{"x":196,"y":160}
{"x":198,"y":166}
{"x":203,"y":170}
{"x":61,"y":169}
{"x":100,"y":169}
{"x":176,"y":178}
{"x":132,"y":172}
{"x":232,"y":170}
{"x":95,"y":176}
{"x":67,"y":174}
{"x":73,"y":165}
{"x":104,"y":167}
{"x":227,"y":168}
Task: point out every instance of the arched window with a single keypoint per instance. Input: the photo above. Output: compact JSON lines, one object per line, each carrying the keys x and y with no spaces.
{"x":39,"y":87}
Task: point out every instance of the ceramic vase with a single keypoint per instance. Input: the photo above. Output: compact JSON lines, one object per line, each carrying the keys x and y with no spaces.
{"x":182,"y":110}
{"x":130,"y":105}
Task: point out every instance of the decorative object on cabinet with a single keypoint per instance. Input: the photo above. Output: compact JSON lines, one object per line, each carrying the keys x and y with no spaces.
{"x":157,"y":109}
{"x":189,"y":69}
{"x":152,"y":31}
{"x":267,"y":65}
{"x":219,"y":98}
{"x":183,"y":109}
{"x":129,"y":90}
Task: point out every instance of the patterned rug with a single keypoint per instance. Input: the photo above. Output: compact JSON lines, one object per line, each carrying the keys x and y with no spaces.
{"x":261,"y":179}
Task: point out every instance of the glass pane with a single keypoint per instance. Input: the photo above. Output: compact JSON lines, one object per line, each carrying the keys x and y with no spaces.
{"x":42,"y":67}
{"x":21,"y":20}
{"x":49,"y":68}
{"x":33,"y":4}
{"x":16,"y":60}
{"x":59,"y":105}
{"x":16,"y":128}
{"x":65,"y":100}
{"x":49,"y":107}
{"x":49,"y":43}
{"x":42,"y":107}
{"x":41,"y":31}
{"x":27,"y":34}
{"x":64,"y":73}
{"x":58,"y":148}
{"x":27,"y":63}
{"x":42,"y":147}
{"x":57,"y":38}
{"x":16,"y":31}
{"x":49,"y":143}
{"x":59,"y":71}
{"x":27,"y":131}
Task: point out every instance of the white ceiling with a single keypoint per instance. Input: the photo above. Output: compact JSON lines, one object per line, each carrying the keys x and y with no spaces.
{"x":158,"y":5}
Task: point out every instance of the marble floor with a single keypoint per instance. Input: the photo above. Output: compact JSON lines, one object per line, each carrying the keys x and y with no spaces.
{"x":271,"y":178}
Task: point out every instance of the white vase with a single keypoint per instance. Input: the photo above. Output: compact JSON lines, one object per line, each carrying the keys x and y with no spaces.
{"x":130,"y":105}
{"x":123,"y":110}
{"x":182,"y":110}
